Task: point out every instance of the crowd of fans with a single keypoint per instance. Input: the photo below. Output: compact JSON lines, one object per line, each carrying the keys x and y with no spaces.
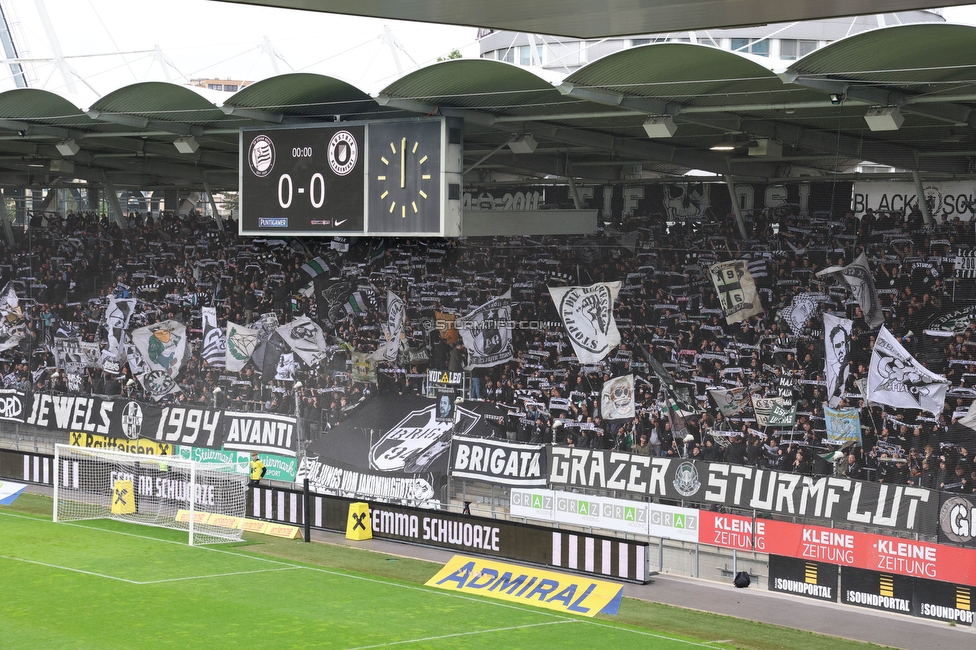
{"x":64,"y":270}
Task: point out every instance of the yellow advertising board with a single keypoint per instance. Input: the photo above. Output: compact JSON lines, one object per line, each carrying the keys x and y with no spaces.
{"x":123,"y":498}
{"x":529,"y":586}
{"x":140,"y":446}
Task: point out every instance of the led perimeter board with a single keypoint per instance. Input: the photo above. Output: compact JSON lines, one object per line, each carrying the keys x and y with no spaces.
{"x":382,"y":178}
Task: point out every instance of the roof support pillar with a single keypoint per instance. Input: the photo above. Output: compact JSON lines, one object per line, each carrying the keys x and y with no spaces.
{"x":213,"y":206}
{"x":115,"y":207}
{"x":922,"y":203}
{"x":8,"y":232}
{"x":573,"y":192}
{"x":730,"y":183}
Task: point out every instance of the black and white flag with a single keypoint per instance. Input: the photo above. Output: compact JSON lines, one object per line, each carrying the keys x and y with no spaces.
{"x":729,"y":401}
{"x":617,"y":399}
{"x":837,"y":340}
{"x":214,"y":343}
{"x":241,"y":343}
{"x":857,"y":277}
{"x":487,"y":332}
{"x":117,"y":316}
{"x":393,"y":330}
{"x":803,"y":307}
{"x":736,"y":290}
{"x":305,"y":339}
{"x":897,"y":379}
{"x":587,"y":315}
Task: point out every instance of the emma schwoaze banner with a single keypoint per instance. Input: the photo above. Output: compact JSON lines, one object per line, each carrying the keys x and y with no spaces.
{"x":587,"y":315}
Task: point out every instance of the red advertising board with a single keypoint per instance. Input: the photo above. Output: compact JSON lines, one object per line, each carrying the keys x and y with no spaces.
{"x":842,"y":547}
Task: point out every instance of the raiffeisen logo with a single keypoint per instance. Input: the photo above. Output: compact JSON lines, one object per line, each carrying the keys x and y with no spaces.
{"x":272,"y":222}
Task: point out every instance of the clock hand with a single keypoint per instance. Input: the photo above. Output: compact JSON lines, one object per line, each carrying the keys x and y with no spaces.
{"x":403,"y":163}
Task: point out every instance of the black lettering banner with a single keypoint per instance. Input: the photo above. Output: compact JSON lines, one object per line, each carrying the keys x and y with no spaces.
{"x":498,"y":461}
{"x":824,"y":498}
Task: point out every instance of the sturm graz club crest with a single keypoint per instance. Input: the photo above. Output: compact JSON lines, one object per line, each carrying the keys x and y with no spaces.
{"x":261,"y":156}
{"x":586,"y":312}
{"x":686,"y":479}
{"x":412,"y":444}
{"x":131,"y":420}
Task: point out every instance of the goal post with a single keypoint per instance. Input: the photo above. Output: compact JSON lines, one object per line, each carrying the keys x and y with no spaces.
{"x":206,"y":500}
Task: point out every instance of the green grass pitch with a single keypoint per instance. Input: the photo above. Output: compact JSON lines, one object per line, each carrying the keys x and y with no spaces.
{"x":104,"y":584}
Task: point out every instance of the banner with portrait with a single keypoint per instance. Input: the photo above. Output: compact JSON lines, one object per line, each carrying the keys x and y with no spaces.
{"x":837,"y":340}
{"x":617,"y":399}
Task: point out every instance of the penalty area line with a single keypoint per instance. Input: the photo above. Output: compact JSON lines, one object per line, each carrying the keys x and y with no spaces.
{"x":460,"y":634}
{"x":67,"y":568}
{"x":217,"y":575}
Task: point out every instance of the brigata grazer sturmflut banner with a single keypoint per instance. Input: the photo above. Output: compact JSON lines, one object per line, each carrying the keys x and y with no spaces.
{"x":188,"y":426}
{"x":828,"y":498}
{"x":498,"y":461}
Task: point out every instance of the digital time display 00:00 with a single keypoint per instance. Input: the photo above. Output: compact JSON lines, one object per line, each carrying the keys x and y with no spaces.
{"x":305,"y":180}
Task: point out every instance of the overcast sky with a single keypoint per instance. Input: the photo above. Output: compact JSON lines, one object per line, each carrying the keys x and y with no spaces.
{"x":110,"y":43}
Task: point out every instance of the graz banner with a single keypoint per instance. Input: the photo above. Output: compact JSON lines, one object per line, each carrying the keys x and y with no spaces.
{"x":498,"y":461}
{"x":897,"y":507}
{"x":393,"y":449}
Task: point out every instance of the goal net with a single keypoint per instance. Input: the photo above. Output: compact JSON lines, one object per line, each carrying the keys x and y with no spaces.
{"x":207,"y":500}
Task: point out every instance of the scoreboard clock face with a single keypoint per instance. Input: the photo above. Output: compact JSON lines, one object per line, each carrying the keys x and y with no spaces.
{"x":404,"y":177}
{"x":303,"y":181}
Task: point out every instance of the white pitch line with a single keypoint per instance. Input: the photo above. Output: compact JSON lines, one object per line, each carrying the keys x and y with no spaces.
{"x":218,"y":575}
{"x":66,"y":568}
{"x":451,"y":636}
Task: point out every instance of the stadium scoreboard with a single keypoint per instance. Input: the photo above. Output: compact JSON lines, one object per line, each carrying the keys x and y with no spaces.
{"x":381,"y":178}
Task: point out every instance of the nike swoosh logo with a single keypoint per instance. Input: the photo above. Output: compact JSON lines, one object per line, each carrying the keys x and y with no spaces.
{"x":339,"y":223}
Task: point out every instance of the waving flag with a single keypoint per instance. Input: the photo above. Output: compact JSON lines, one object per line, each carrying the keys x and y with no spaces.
{"x":897,"y":379}
{"x":214,"y":343}
{"x":617,"y":399}
{"x":736,"y":290}
{"x":587,"y":315}
{"x":241,"y":342}
{"x":857,"y":277}
{"x":487,"y":333}
{"x":162,"y":347}
{"x":305,"y":339}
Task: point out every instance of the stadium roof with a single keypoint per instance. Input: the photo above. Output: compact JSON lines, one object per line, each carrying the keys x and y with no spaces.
{"x":599,"y":19}
{"x":590,"y":124}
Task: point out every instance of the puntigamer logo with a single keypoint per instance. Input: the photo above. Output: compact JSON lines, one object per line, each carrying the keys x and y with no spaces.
{"x":272,"y":222}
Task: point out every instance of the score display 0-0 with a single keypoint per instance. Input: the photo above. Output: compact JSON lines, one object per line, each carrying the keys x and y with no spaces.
{"x":381,"y":178}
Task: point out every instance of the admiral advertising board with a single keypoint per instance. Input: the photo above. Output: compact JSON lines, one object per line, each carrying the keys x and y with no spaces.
{"x":830,"y":498}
